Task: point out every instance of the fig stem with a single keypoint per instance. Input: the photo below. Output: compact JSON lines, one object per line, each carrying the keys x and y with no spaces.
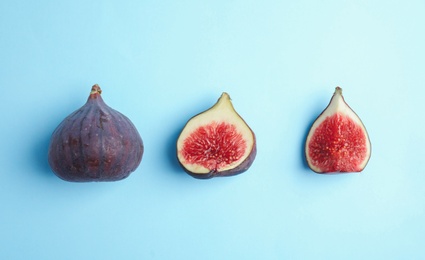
{"x":338,"y":90}
{"x":95,"y":90}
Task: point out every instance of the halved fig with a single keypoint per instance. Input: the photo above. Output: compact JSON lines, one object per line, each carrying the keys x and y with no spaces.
{"x":216,"y":142}
{"x":337,"y":141}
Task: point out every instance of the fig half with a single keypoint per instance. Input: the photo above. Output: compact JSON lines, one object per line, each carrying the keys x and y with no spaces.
{"x":95,"y":143}
{"x":337,"y":141}
{"x":216,"y":142}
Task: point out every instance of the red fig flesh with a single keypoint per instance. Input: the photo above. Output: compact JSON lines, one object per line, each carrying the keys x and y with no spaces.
{"x":95,"y":143}
{"x":216,"y":142}
{"x":338,"y":140}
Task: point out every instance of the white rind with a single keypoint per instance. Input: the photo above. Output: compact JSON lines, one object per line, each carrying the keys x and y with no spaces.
{"x":337,"y":105}
{"x":222,"y":111}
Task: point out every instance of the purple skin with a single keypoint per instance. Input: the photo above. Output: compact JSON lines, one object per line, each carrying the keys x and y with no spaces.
{"x":244,"y":166}
{"x":95,"y":143}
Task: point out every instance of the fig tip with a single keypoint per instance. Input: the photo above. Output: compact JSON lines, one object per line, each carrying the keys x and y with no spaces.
{"x":338,"y":90}
{"x":95,"y":89}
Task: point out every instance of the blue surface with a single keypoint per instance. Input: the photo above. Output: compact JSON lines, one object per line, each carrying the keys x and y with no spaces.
{"x":161,"y":62}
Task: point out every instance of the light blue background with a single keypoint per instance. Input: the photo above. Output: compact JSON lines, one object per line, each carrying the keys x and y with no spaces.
{"x":161,"y":62}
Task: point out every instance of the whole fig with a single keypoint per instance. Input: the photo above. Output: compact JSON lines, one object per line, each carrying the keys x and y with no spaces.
{"x":95,"y":143}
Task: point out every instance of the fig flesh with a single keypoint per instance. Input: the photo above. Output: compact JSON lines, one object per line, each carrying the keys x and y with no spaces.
{"x":95,"y":143}
{"x":216,"y":142}
{"x":337,"y":141}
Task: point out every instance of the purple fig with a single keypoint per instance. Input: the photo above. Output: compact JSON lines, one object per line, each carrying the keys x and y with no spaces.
{"x":95,"y":143}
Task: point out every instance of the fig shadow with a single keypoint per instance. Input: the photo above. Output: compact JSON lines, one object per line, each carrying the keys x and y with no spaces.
{"x":171,"y":148}
{"x":40,"y":154}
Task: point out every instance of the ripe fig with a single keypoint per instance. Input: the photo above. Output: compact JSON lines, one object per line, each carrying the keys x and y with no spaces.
{"x":95,"y":143}
{"x":337,"y":141}
{"x":216,"y":142}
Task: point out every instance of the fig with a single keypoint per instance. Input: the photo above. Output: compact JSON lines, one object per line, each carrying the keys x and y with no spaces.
{"x":337,"y":141}
{"x":216,"y":142}
{"x":95,"y":143}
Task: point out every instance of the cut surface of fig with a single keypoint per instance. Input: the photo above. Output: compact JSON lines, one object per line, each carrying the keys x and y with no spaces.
{"x":216,"y":142}
{"x":337,"y":141}
{"x":95,"y":143}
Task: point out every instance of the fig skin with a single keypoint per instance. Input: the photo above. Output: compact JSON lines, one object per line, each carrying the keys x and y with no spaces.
{"x":95,"y":144}
{"x":242,"y":166}
{"x":338,"y":106}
